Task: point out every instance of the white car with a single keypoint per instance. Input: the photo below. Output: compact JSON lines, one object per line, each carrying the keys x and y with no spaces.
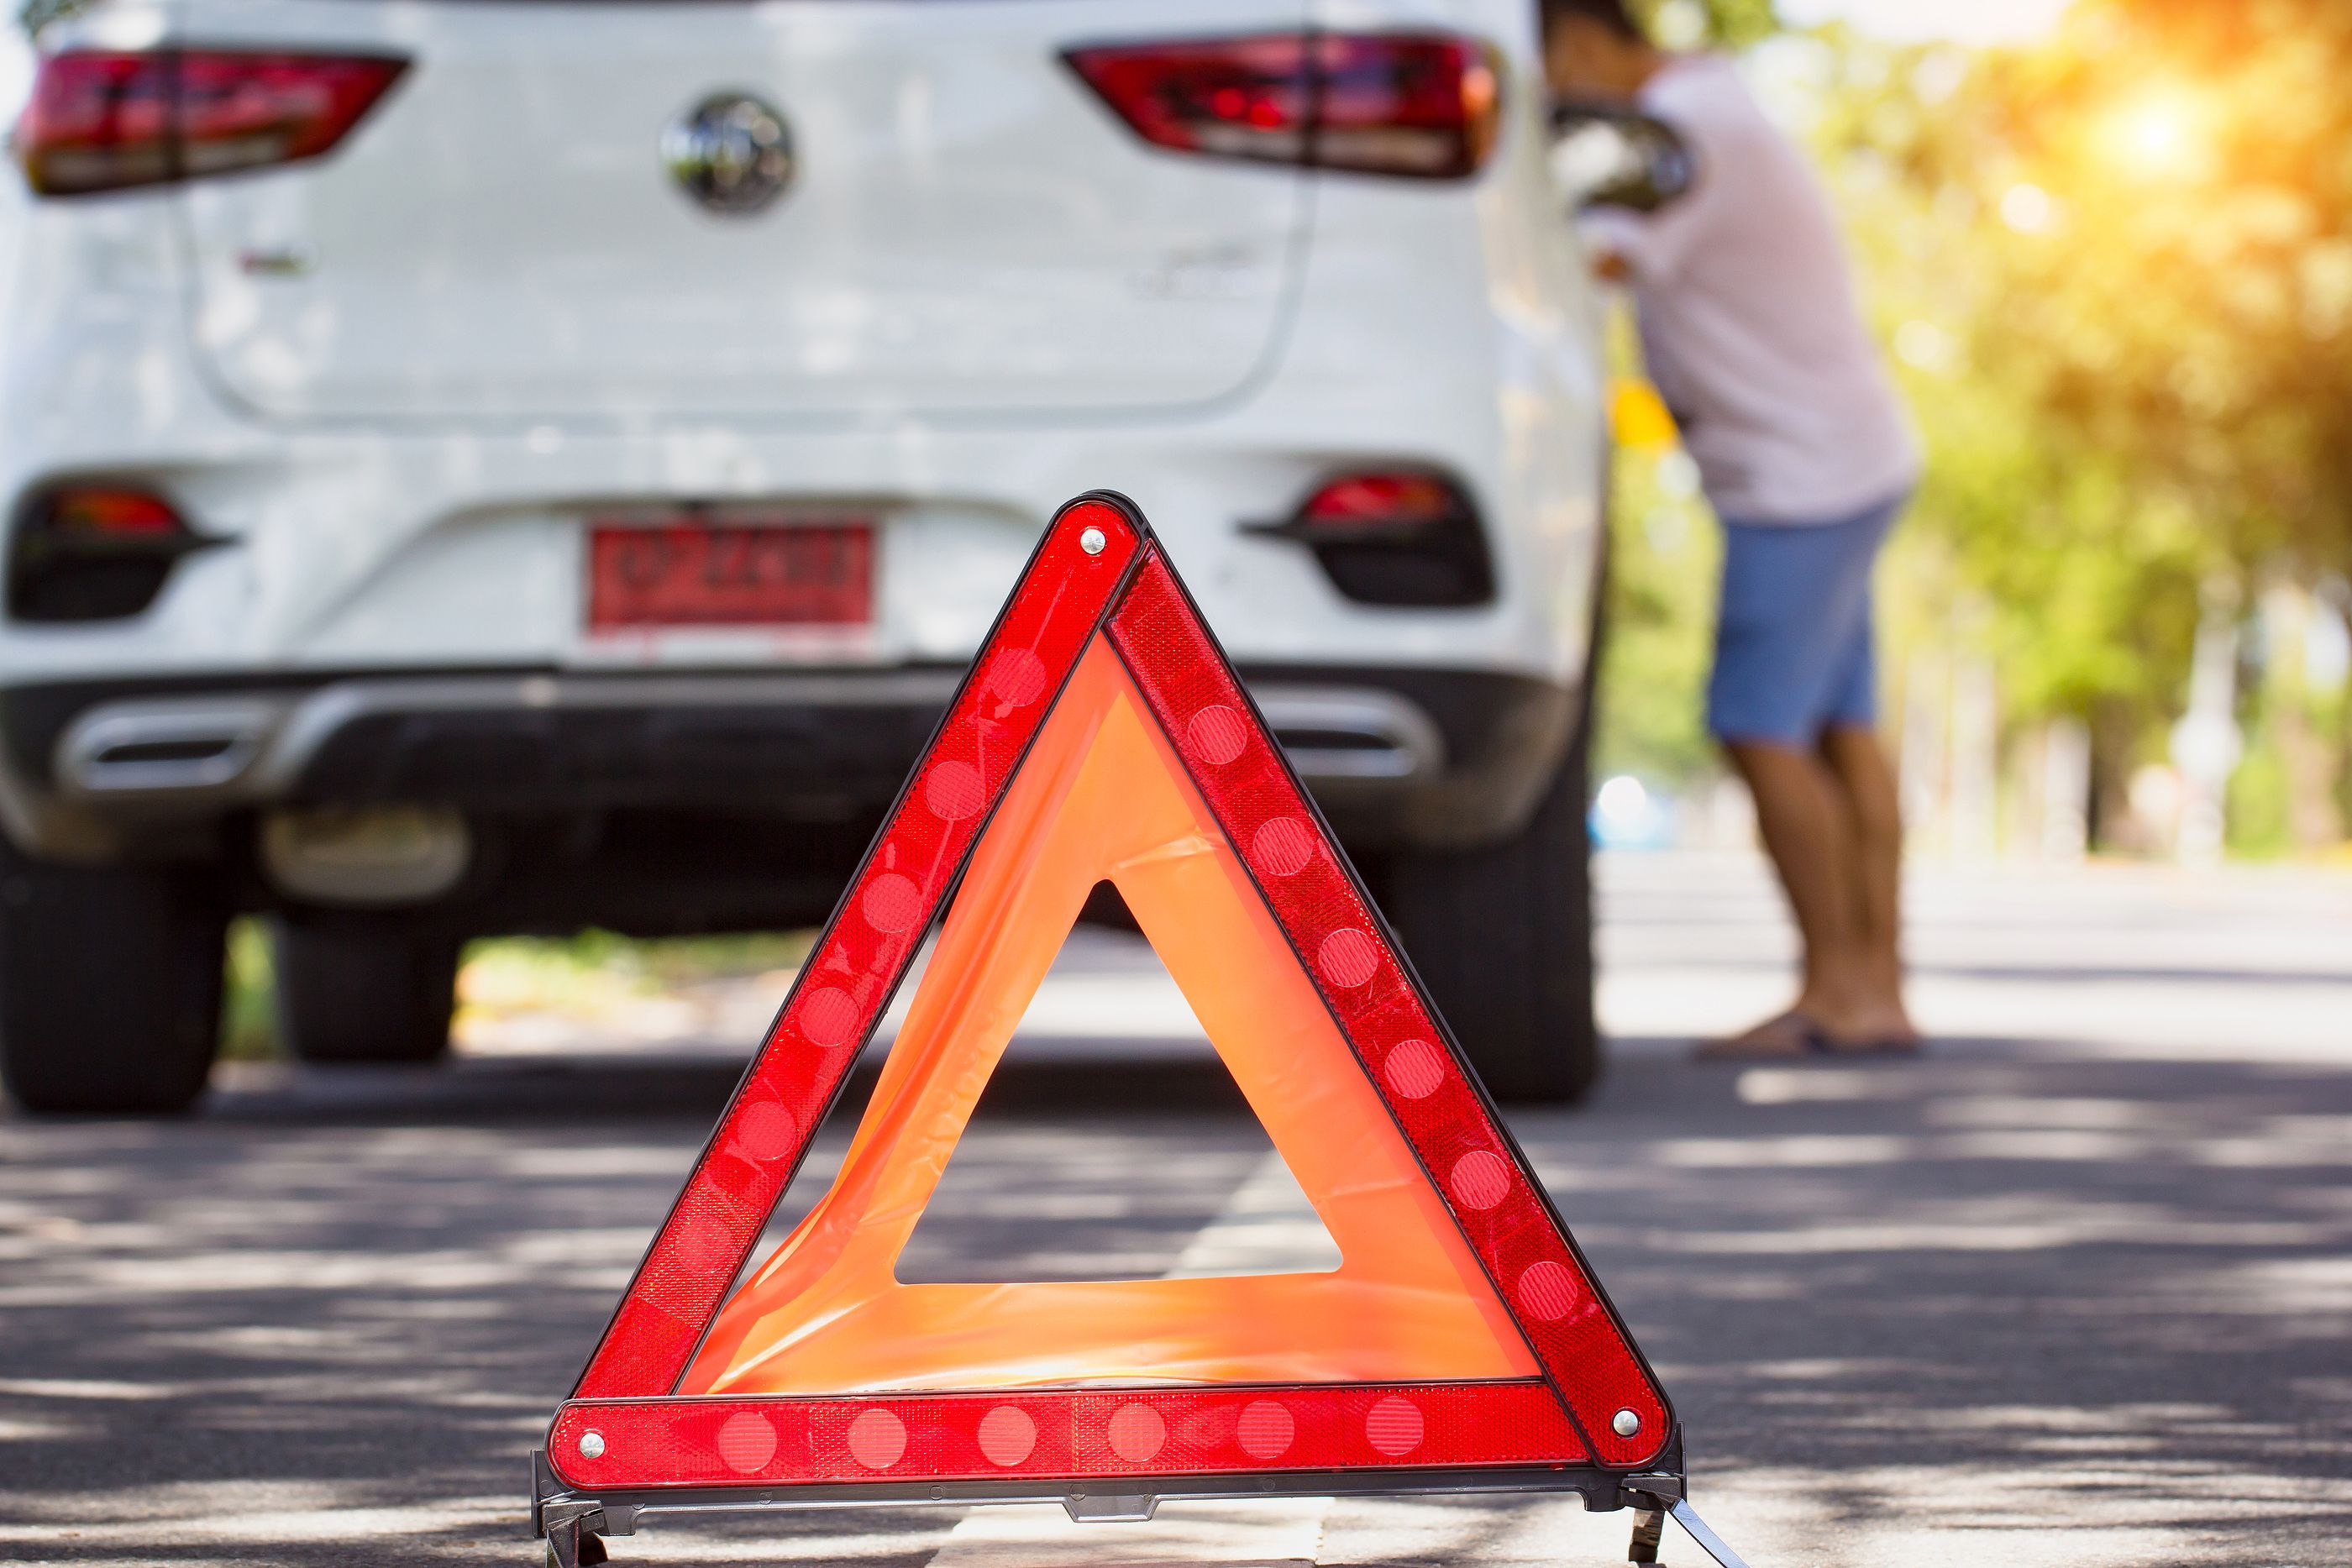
{"x":484,"y":467}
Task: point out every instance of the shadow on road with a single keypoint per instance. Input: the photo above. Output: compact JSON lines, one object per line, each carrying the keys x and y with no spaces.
{"x":1994,"y":1290}
{"x":608,"y":1088}
{"x":1970,"y":1298}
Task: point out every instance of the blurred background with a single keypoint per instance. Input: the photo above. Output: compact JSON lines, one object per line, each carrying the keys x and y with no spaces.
{"x":2107,"y":248}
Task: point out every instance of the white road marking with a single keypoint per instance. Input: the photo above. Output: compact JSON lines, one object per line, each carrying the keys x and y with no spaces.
{"x":1266,"y":1227}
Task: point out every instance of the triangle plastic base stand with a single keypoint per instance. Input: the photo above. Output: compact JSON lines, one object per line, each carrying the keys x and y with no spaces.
{"x":1462,"y":1345}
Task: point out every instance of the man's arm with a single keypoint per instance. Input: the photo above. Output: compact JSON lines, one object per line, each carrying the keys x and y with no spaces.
{"x":1618,"y":243}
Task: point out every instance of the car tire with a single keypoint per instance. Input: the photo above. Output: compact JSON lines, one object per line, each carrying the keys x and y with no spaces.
{"x":1502,"y":937}
{"x":363,"y":990}
{"x":110,"y":987}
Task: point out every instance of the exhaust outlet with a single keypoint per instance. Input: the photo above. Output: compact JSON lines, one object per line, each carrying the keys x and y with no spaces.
{"x":1338,"y":734}
{"x":366,"y":856}
{"x":163,"y":748}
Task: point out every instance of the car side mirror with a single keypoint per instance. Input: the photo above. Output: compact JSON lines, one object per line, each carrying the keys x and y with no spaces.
{"x":1607,"y":156}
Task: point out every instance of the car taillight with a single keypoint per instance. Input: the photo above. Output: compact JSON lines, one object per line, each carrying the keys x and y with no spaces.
{"x":109,"y":121}
{"x":94,"y":552}
{"x":1400,"y":537}
{"x":1416,"y":104}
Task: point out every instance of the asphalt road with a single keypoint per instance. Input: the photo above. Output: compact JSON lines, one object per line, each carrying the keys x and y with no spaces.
{"x":2074,"y":1288}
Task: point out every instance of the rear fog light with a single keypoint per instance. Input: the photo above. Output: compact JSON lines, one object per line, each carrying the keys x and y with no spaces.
{"x":94,"y":552}
{"x":1396,"y":536}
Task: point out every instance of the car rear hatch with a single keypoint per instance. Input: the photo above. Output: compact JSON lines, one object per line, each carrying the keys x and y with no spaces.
{"x":962,"y":228}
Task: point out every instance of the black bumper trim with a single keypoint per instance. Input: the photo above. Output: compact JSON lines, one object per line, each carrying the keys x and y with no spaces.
{"x":808,"y":744}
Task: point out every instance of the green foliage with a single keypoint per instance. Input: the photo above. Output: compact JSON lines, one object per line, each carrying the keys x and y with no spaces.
{"x":584,"y":974}
{"x":2137,"y":241}
{"x":2260,"y":811}
{"x":2182,"y":307}
{"x":553,"y":968}
{"x":1680,"y":23}
{"x":248,"y":1012}
{"x":2042,"y":549}
{"x":2115,"y":269}
{"x":1664,"y":555}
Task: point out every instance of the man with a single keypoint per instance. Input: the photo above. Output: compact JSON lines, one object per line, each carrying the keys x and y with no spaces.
{"x":1749,"y":329}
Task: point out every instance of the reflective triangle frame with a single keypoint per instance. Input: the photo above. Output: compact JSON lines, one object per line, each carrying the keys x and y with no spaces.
{"x":1595,"y":1420}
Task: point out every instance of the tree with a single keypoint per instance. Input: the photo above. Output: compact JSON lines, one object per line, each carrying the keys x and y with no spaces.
{"x":2114,"y":268}
{"x":2142,"y":231}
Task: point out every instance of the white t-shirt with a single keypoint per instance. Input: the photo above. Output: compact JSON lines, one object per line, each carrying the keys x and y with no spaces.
{"x":1748,"y":317}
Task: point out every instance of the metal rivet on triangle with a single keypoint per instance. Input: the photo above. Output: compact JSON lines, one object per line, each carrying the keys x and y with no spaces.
{"x":591,"y":1444}
{"x":1625,"y":1423}
{"x":1093,"y":540}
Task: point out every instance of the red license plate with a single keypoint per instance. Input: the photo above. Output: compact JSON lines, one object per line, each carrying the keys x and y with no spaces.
{"x":691,"y":572}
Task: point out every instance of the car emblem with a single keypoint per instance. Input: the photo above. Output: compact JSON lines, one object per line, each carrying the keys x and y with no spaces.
{"x":730,"y":152}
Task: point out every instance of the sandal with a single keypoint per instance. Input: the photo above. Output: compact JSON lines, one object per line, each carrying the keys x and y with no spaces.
{"x":1792,"y":1035}
{"x":1795,"y":1035}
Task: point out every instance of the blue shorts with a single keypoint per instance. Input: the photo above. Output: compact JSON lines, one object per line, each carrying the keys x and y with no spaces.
{"x":1793,"y":654}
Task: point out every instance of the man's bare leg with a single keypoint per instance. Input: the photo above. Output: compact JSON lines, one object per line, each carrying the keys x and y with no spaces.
{"x":1807,"y":825}
{"x":1873,"y":810}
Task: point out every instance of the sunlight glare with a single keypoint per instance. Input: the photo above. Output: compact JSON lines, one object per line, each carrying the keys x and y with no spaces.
{"x":1924,"y":21}
{"x":2026,"y":207}
{"x":2160,"y":132}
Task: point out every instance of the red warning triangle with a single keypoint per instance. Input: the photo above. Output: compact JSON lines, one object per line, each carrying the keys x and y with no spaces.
{"x":1102,"y":794}
{"x":1103,"y":734}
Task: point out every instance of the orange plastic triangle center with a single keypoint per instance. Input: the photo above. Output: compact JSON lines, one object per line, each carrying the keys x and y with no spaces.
{"x":1102,"y":795}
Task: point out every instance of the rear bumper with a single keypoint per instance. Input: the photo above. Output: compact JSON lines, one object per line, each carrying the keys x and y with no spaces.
{"x":119,"y":769}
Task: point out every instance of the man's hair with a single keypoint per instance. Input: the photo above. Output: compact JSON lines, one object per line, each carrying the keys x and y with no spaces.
{"x":1609,"y":14}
